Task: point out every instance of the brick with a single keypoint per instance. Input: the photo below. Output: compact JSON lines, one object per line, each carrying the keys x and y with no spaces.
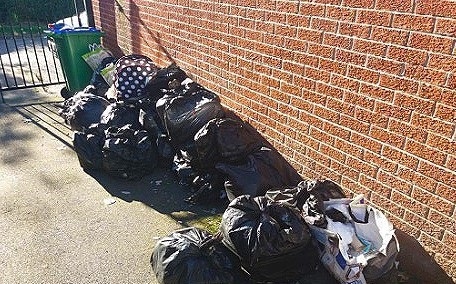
{"x":414,"y":103}
{"x":398,"y":84}
{"x":345,"y":83}
{"x":446,"y":113}
{"x":412,"y":132}
{"x":433,"y":201}
{"x":442,"y":62}
{"x":386,"y":206}
{"x":321,"y":50}
{"x":325,"y":25}
{"x":331,"y":152}
{"x":401,"y":157}
{"x":435,"y":125}
{"x":392,"y":111}
{"x":287,"y":6}
{"x":328,"y":90}
{"x":326,"y":114}
{"x":387,"y":137}
{"x":442,"y":221}
{"x":332,"y":66}
{"x":359,"y":100}
{"x":384,"y":164}
{"x":369,"y":47}
{"x":321,"y":136}
{"x":337,"y":105}
{"x":371,"y":117}
{"x":350,"y":57}
{"x":448,"y":97}
{"x":451,"y":162}
{"x":377,"y":92}
{"x":366,"y":142}
{"x":424,"y":74}
{"x":355,"y":30}
{"x":354,"y":124}
{"x":437,"y":8}
{"x":310,"y":35}
{"x":317,"y":74}
{"x":363,"y":74}
{"x":311,"y":9}
{"x":341,"y":13}
{"x":337,"y":41}
{"x":336,"y":130}
{"x":445,"y":176}
{"x":317,"y":156}
{"x":425,"y":152}
{"x":314,"y":97}
{"x":449,"y":237}
{"x":359,"y":3}
{"x":407,"y":55}
{"x":344,"y":170}
{"x":385,"y":65}
{"x":389,"y":35}
{"x":445,"y":26}
{"x":424,"y":225}
{"x":443,"y":144}
{"x":349,"y":148}
{"x":303,"y":82}
{"x":431,"y":43}
{"x":409,"y":203}
{"x":363,"y":167}
{"x":375,"y":18}
{"x":413,"y":22}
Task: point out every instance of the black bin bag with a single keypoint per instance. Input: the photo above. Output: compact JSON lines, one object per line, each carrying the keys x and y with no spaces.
{"x":129,"y":153}
{"x":259,"y":172}
{"x":119,"y":115}
{"x":88,"y":146}
{"x":270,"y":238}
{"x":225,"y":139}
{"x":185,"y":115}
{"x":82,"y":110}
{"x":193,"y":256}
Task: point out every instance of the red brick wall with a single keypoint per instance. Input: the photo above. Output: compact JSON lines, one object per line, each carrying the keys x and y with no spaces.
{"x":359,"y":91}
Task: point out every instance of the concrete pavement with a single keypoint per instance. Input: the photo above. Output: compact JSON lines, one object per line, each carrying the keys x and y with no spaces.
{"x":58,"y":224}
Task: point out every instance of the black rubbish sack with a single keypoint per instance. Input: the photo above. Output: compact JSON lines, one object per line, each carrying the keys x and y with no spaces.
{"x":185,"y":115}
{"x":165,"y":151}
{"x":261,"y":171}
{"x":82,"y":110}
{"x":227,"y":140}
{"x":270,"y":238}
{"x":119,"y":115}
{"x":165,"y":79}
{"x":88,"y":147}
{"x":129,"y":153}
{"x":191,"y":255}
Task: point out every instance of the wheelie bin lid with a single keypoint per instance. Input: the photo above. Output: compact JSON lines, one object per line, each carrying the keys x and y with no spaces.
{"x":65,"y":31}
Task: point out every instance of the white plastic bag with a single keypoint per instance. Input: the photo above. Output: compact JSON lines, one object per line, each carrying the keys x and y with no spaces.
{"x":363,"y":248}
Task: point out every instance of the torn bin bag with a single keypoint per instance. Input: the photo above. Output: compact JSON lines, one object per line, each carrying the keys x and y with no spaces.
{"x":192,"y":255}
{"x":185,"y":115}
{"x":165,"y":79}
{"x":129,"y":153}
{"x":270,"y":238}
{"x":83,"y":109}
{"x":261,"y":171}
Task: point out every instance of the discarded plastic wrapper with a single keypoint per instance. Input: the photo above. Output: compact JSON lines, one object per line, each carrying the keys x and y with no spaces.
{"x":362,"y":249}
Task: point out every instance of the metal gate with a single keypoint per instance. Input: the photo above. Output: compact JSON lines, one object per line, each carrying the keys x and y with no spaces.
{"x":26,"y":57}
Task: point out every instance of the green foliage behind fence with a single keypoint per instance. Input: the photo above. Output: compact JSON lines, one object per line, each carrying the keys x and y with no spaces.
{"x":47,"y":11}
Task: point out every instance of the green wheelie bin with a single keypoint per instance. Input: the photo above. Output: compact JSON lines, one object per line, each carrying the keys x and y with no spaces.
{"x":71,"y":44}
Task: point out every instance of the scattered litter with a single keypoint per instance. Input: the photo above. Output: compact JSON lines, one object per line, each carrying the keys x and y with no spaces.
{"x":27,"y":120}
{"x":125,"y":192}
{"x":179,"y":221}
{"x":109,"y":201}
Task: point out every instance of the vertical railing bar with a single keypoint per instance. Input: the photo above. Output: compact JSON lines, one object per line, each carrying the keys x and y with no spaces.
{"x":26,"y":54}
{"x":3,"y":70}
{"x":35,"y":51}
{"x":9,"y":57}
{"x":18,"y":56}
{"x":77,"y":13}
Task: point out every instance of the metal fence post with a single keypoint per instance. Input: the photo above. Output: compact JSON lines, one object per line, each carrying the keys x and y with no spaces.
{"x":89,"y":10}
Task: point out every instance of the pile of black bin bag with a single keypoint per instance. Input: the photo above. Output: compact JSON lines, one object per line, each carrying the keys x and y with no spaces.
{"x":159,"y":117}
